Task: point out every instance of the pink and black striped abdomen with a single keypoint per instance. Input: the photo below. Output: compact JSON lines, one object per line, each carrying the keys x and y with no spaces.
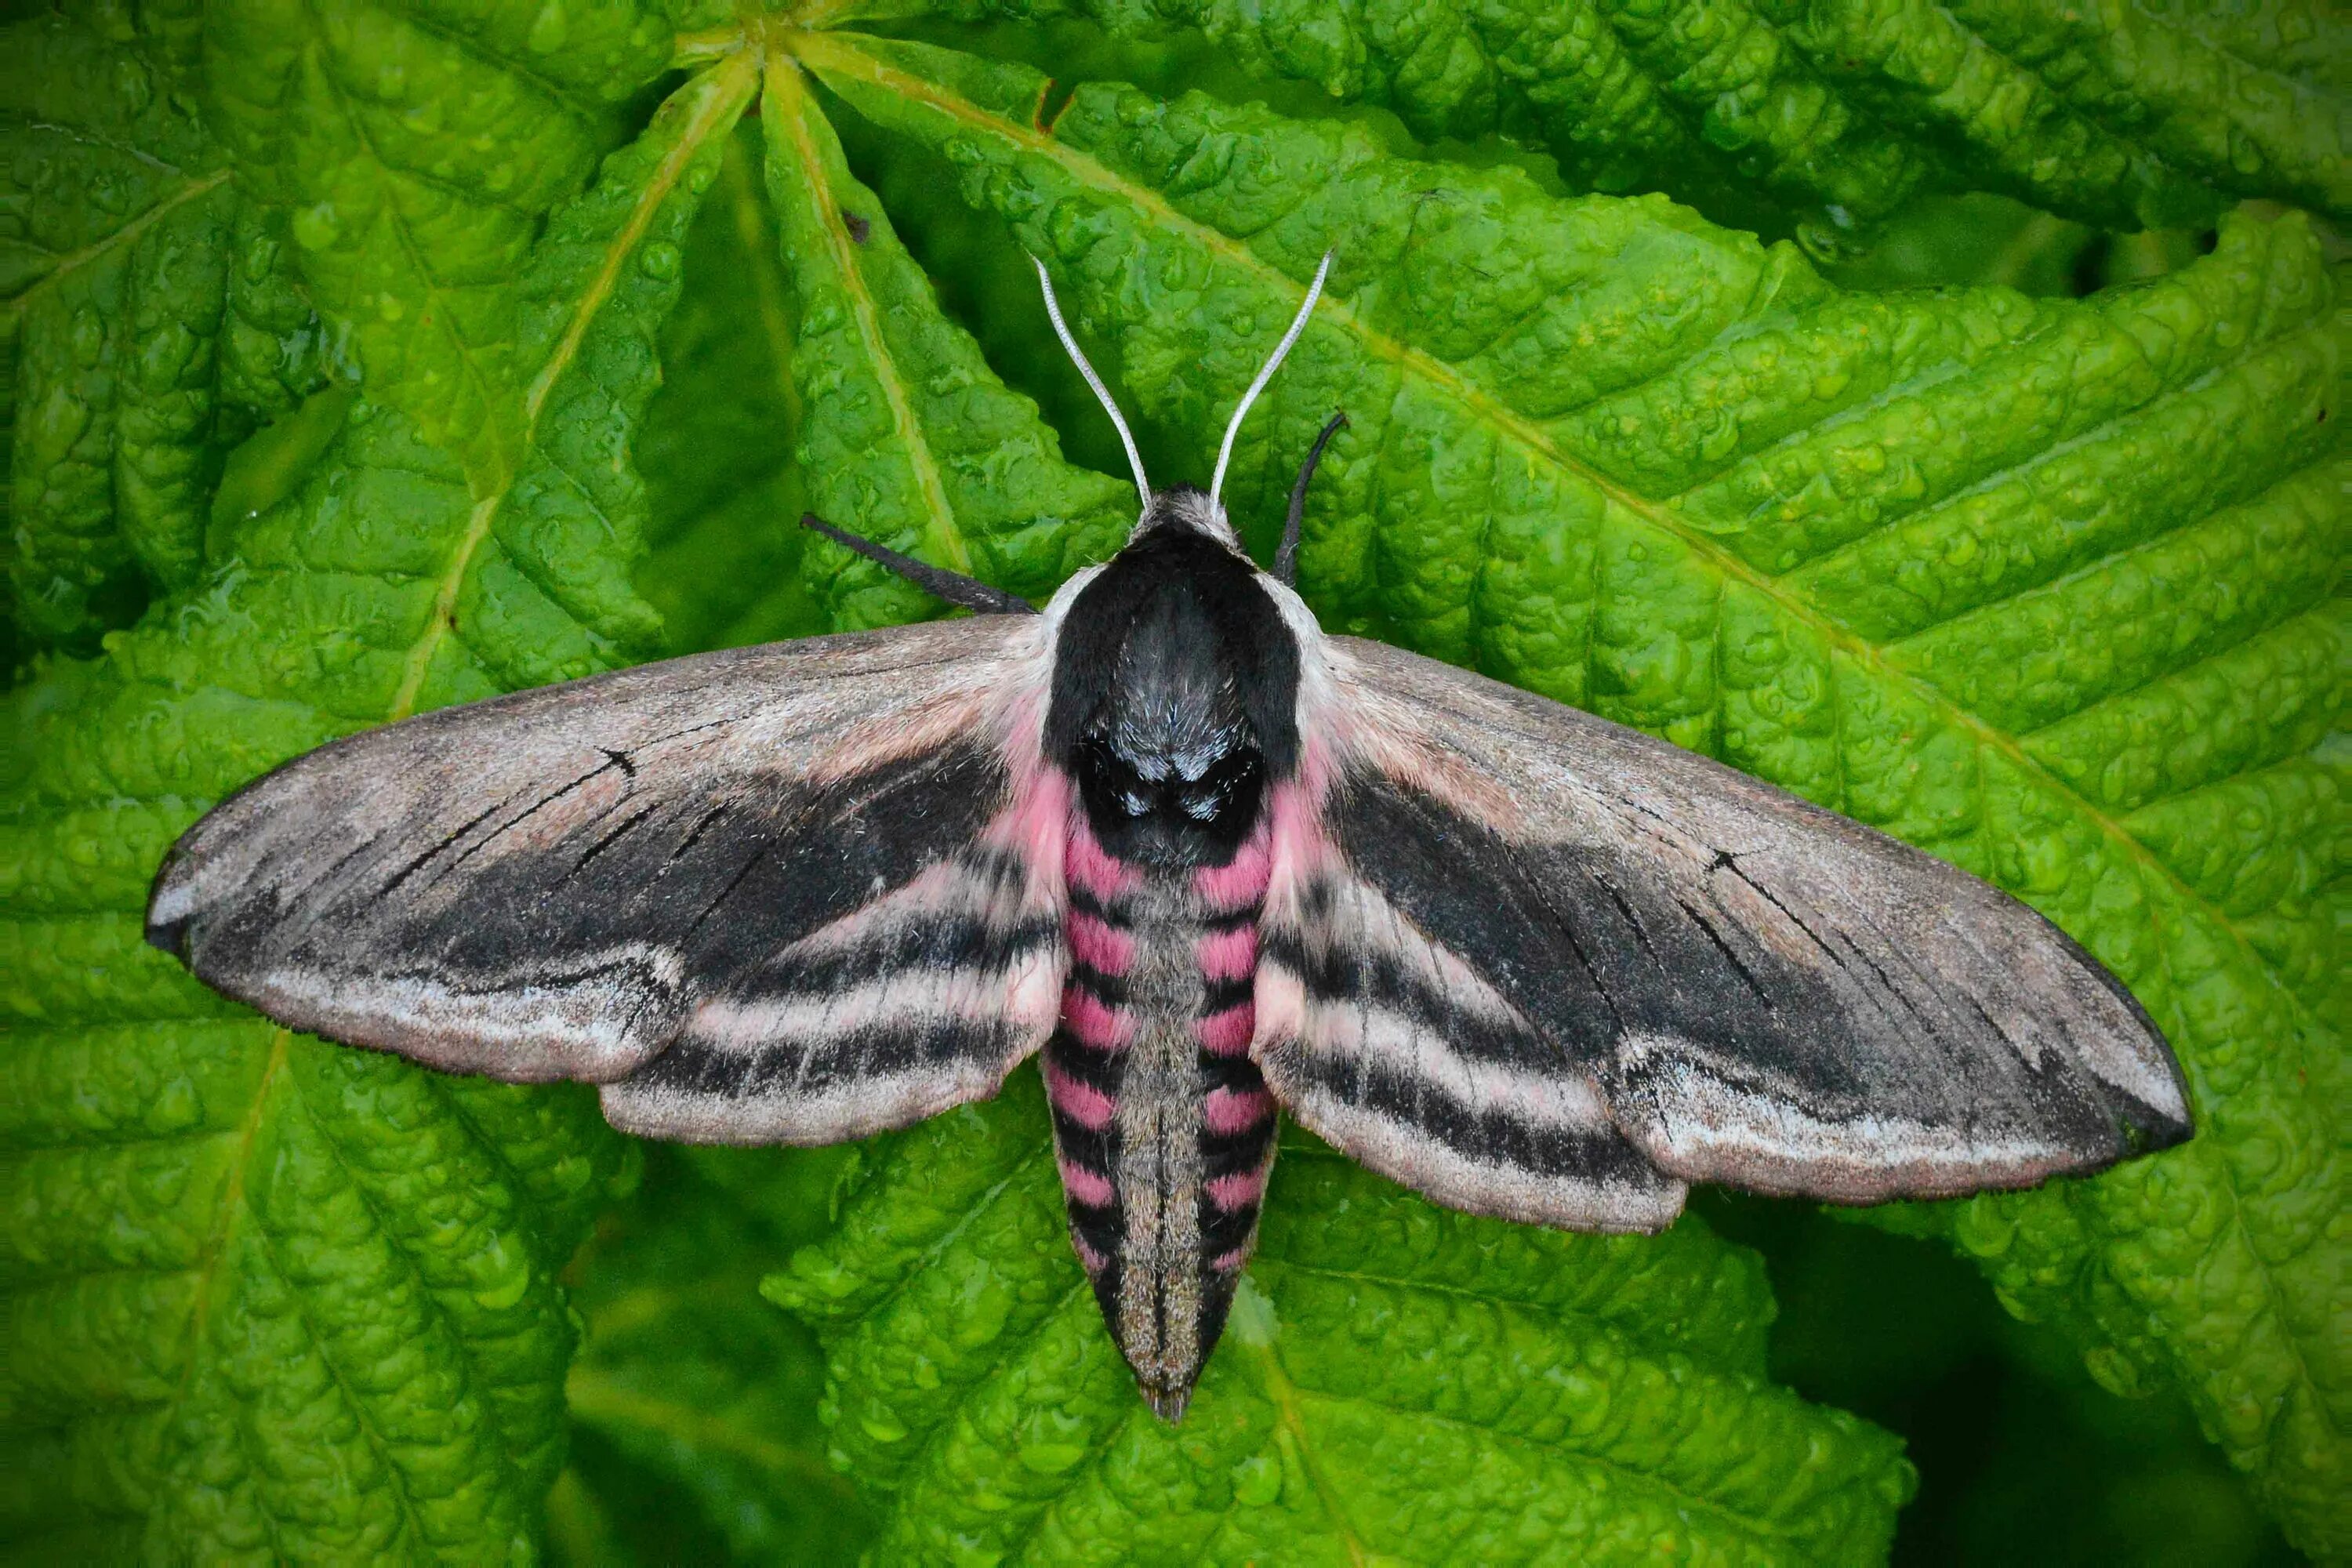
{"x":1163,"y":1125}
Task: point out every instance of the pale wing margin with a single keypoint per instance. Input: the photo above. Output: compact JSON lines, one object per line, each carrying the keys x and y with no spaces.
{"x":1766,"y":993}
{"x":790,"y":893}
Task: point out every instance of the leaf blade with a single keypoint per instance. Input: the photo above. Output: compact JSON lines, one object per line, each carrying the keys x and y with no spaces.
{"x":909,"y":437}
{"x":694,"y":1393}
{"x":141,"y":350}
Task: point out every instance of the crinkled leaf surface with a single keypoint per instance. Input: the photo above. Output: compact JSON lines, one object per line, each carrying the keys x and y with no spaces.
{"x":271,"y":1299}
{"x":723,"y":494}
{"x":153,"y":321}
{"x":1398,"y":1383}
{"x":906,"y":437}
{"x":2049,"y":588}
{"x":1837,"y":111}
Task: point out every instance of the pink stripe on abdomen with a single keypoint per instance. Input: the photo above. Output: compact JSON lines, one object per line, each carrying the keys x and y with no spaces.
{"x":1227,"y":1034}
{"x":1229,"y":954}
{"x":1225,"y":1111}
{"x":1103,"y":947}
{"x":1081,"y":1101}
{"x":1097,"y":1023}
{"x":1240,"y":1190}
{"x":1240,"y":883}
{"x":1093,"y":869}
{"x":1086,"y":1186}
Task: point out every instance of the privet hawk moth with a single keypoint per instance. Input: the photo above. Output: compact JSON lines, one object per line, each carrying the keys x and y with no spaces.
{"x":1211,"y":862}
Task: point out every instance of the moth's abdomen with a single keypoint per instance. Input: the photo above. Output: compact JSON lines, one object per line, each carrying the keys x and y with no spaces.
{"x":1161,"y":1121}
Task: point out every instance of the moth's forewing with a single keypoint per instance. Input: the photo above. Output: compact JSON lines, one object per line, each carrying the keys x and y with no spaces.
{"x":783,"y":893}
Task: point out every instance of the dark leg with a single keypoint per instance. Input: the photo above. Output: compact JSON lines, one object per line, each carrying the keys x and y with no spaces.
{"x":1285,"y":559}
{"x":953,"y":587}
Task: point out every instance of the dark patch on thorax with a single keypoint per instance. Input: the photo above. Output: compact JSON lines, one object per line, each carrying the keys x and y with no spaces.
{"x":1175,"y":688}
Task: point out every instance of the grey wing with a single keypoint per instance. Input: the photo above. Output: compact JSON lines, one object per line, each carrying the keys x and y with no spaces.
{"x":777,"y":894}
{"x":1762,"y":993}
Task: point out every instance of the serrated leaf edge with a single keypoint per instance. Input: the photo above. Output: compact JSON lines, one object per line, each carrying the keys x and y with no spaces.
{"x":845,"y":56}
{"x":729,"y":89}
{"x":1255,"y":1330}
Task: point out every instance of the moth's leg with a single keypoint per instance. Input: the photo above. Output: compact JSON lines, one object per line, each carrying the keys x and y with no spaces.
{"x":953,"y":587}
{"x":1285,"y":559}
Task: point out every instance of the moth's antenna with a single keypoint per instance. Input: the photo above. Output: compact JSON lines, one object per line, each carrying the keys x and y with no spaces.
{"x":1298,"y":325}
{"x":1079,"y":357}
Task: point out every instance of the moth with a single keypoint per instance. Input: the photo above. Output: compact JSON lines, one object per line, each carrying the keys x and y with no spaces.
{"x":1211,"y":862}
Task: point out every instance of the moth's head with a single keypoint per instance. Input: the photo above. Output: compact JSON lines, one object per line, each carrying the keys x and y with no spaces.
{"x":1182,"y":506}
{"x":1186,"y":508}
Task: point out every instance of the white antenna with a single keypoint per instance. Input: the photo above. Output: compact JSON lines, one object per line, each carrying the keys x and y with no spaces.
{"x":1079,"y":357}
{"x":1298,"y":325}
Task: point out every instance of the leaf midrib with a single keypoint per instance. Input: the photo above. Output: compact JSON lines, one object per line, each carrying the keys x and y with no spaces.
{"x":396,"y":1473}
{"x":1290,"y":1423}
{"x":841,"y":53}
{"x":790,"y":100}
{"x":232,"y":1200}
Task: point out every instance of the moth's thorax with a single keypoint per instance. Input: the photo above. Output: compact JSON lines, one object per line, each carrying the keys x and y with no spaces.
{"x":1164,"y":1125}
{"x":1174,"y":692}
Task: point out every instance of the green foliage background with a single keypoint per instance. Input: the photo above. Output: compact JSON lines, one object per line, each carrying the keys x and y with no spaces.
{"x":1964,"y":452}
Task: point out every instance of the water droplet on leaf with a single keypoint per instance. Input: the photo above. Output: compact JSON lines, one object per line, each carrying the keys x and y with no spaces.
{"x":1258,"y":1481}
{"x":549,"y":30}
{"x":316,"y":227}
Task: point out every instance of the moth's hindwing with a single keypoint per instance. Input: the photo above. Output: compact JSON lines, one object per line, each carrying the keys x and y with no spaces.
{"x":795,"y":893}
{"x":1395,"y":1047}
{"x":1516,"y":945}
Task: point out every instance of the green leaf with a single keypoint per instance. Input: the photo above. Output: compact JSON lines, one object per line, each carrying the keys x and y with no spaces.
{"x":908,"y":437}
{"x":724,"y":493}
{"x":271,"y":1298}
{"x":2143,"y":117}
{"x":1964,"y":566}
{"x":1893,"y":1328}
{"x":1398,"y":1382}
{"x":153,"y":323}
{"x":694,"y":1405}
{"x":415,"y":148}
